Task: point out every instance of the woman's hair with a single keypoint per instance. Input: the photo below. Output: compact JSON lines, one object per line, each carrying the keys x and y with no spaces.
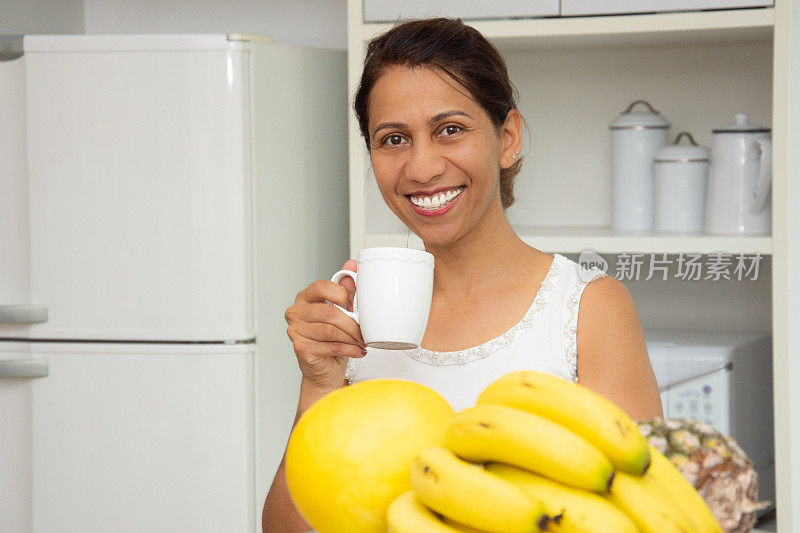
{"x":458,"y":50}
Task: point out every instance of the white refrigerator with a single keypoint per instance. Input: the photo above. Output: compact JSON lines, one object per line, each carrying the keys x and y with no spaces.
{"x":162,"y":200}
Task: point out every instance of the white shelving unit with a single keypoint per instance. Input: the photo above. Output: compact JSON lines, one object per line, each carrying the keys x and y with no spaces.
{"x":574,"y":76}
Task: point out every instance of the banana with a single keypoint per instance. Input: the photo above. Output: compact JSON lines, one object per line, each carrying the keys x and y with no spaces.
{"x":652,"y":511}
{"x":407,"y":515}
{"x":583,"y":411}
{"x":471,"y":496}
{"x":512,"y":436}
{"x":573,"y":510}
{"x":664,"y":474}
{"x":462,"y":528}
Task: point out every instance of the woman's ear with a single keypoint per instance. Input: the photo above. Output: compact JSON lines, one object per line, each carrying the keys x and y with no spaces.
{"x":511,"y":139}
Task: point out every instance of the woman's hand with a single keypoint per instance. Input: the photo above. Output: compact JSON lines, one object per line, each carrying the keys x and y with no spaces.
{"x":323,"y":336}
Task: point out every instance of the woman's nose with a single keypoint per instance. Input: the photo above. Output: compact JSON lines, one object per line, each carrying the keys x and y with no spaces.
{"x":425,"y":162}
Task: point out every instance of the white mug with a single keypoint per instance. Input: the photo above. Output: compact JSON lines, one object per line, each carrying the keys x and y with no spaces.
{"x":394,"y":287}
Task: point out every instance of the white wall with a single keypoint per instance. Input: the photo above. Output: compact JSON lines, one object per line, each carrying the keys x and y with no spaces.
{"x":41,"y":16}
{"x":321,"y":23}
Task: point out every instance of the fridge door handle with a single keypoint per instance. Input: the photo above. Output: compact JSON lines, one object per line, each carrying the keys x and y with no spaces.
{"x":11,"y":47}
{"x":24,"y":368}
{"x":23,"y":314}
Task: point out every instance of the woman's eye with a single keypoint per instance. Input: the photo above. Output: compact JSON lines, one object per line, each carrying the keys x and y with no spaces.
{"x":394,"y":140}
{"x":451,"y":130}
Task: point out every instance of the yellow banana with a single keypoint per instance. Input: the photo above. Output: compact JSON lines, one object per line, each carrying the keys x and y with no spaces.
{"x":407,"y":515}
{"x":664,"y":474}
{"x":512,"y":436}
{"x":583,"y":411}
{"x":462,"y":528}
{"x":648,"y":506}
{"x":471,"y":496}
{"x":572,"y":510}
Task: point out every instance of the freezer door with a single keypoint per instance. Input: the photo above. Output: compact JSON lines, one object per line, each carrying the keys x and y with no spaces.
{"x":139,"y":169}
{"x":133,"y":438}
{"x":16,"y":310}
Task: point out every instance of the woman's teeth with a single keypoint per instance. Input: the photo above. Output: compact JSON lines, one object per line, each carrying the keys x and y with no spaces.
{"x":437,"y":201}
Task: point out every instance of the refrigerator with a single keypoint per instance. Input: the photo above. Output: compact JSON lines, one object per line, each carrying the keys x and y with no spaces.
{"x":162,"y":200}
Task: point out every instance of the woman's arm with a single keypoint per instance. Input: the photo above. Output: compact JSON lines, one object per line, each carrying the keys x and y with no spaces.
{"x":612,"y":355}
{"x":279,"y":514}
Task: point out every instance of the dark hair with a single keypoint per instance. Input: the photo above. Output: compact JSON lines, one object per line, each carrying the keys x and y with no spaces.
{"x":458,"y":50}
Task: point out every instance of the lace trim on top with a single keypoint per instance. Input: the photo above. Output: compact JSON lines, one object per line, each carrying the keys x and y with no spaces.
{"x":571,"y":326}
{"x":461,"y":357}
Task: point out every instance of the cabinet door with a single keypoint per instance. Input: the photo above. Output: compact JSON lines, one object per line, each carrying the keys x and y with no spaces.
{"x":592,"y":7}
{"x":139,"y":189}
{"x":389,"y":11}
{"x":143,"y":438}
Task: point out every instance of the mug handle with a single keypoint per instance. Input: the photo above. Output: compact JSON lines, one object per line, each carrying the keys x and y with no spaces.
{"x":764,"y":183}
{"x":336,"y":279}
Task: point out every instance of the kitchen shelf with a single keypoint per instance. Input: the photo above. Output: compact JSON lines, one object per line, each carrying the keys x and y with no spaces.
{"x":574,"y":75}
{"x":606,"y":240}
{"x":737,"y":25}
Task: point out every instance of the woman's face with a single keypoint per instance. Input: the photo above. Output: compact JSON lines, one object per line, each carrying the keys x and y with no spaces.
{"x":429,"y":138}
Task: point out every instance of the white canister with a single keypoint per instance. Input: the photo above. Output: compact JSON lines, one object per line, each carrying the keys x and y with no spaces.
{"x":635,"y":139}
{"x":681,"y":177}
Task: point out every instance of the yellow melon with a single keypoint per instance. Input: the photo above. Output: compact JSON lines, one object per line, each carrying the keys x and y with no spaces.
{"x":349,"y":454}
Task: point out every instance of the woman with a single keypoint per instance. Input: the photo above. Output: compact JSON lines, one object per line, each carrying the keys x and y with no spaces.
{"x":438,"y":114}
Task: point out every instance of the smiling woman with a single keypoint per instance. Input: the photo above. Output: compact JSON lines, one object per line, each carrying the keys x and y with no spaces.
{"x":438,"y":114}
{"x":469,"y":63}
{"x":444,"y":142}
{"x":439,"y":117}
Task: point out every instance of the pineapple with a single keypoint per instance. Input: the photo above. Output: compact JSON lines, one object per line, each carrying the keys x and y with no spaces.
{"x":714,"y":464}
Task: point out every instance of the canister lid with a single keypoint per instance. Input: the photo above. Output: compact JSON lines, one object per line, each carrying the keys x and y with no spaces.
{"x":641,"y":120}
{"x":742,"y":126}
{"x":687,"y":153}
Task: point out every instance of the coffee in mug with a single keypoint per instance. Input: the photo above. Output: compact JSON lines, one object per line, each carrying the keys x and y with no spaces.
{"x":394,"y":287}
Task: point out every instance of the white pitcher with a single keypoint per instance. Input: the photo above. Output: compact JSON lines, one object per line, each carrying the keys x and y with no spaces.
{"x":740,"y":180}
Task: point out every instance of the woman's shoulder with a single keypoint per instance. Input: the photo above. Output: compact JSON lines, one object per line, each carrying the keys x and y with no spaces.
{"x":607,"y":310}
{"x":577,"y":272}
{"x":597,"y":292}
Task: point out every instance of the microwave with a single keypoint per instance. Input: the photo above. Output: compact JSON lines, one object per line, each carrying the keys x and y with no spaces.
{"x":725,"y":380}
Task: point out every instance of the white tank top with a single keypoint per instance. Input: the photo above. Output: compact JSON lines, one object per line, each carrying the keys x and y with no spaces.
{"x":544,"y":340}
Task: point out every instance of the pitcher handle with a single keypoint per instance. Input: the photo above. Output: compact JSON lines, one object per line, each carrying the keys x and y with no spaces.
{"x":764,"y":183}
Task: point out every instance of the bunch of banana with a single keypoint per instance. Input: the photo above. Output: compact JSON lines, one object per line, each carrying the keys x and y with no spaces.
{"x":581,"y":410}
{"x":468,"y":494}
{"x":407,"y":515}
{"x":497,"y":433}
{"x":538,"y":453}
